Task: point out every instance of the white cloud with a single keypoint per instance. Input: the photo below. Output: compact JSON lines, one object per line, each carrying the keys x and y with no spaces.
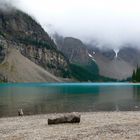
{"x":110,"y":21}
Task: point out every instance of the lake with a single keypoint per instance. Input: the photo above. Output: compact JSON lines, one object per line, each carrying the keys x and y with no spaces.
{"x":40,"y":98}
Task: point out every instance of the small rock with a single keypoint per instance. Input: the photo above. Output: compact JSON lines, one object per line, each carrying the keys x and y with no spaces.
{"x":20,"y":112}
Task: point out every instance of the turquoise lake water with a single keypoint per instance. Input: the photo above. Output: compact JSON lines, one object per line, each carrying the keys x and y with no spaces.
{"x":43,"y":98}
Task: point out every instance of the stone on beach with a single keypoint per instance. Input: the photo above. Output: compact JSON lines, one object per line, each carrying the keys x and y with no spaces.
{"x":69,"y":118}
{"x":20,"y":112}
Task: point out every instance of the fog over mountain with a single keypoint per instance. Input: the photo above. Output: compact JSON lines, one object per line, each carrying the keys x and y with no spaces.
{"x":6,"y":5}
{"x":110,"y":22}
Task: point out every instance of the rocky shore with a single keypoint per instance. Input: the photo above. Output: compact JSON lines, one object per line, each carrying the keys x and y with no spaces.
{"x":93,"y":126}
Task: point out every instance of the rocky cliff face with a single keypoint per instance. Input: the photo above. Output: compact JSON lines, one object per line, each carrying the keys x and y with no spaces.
{"x":74,"y":49}
{"x":18,"y":30}
{"x":81,"y":58}
{"x":130,"y":55}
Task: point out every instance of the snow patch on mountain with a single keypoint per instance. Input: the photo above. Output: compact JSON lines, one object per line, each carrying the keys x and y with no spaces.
{"x":116,"y":52}
{"x":91,"y":57}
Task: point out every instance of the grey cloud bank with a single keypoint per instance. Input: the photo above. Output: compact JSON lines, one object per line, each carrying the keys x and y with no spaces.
{"x":113,"y":22}
{"x":7,"y":5}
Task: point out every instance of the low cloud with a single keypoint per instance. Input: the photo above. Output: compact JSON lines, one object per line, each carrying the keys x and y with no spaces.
{"x":111,"y":23}
{"x":7,"y":5}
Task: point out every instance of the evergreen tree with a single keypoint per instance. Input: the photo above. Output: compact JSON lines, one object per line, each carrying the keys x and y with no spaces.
{"x":136,"y":75}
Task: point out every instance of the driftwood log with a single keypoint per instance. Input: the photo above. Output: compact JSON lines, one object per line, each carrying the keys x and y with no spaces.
{"x":69,"y":118}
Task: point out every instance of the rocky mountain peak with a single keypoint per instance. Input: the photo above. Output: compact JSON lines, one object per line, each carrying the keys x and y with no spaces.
{"x":19,"y":30}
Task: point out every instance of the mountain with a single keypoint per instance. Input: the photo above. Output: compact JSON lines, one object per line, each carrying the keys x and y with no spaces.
{"x":106,"y":62}
{"x":27,"y":53}
{"x":20,"y":69}
{"x":82,"y":62}
{"x":112,"y":65}
{"x":130,"y":54}
{"x":75,"y":50}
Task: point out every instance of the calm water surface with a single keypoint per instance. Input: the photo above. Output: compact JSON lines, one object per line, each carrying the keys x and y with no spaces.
{"x":57,"y":98}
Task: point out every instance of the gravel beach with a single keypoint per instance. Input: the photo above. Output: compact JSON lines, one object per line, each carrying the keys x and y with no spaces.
{"x":93,"y":126}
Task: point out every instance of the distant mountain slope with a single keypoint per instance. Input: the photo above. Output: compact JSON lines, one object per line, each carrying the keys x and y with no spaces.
{"x":22,"y":39}
{"x":109,"y":64}
{"x":116,"y":68}
{"x":130,"y":54}
{"x":21,"y":32}
{"x":82,"y":62}
{"x":75,"y":50}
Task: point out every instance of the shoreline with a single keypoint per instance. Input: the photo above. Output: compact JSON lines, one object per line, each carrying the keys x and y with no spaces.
{"x":93,"y":125}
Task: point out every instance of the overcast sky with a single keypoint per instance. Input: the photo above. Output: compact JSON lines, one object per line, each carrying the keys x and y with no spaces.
{"x":110,"y":21}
